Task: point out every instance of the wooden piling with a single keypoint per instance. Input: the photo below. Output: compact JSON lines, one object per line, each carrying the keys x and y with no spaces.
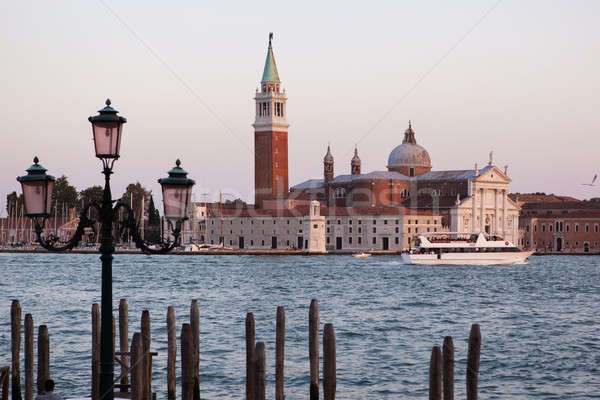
{"x":448,"y":368}
{"x":195,"y":326}
{"x":473,"y":361}
{"x":435,"y":374}
{"x":124,"y":341}
{"x":313,"y":348}
{"x":5,"y":381}
{"x":250,"y":371}
{"x":15,"y":336}
{"x":137,"y":367}
{"x":279,"y":353}
{"x":260,"y":358}
{"x":28,"y":357}
{"x":187,"y":363}
{"x":43,"y":357}
{"x":329,"y":364}
{"x":95,"y":352}
{"x":147,"y":358}
{"x":171,"y":354}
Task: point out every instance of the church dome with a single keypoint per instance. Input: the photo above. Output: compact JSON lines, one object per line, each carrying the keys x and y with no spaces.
{"x":409,"y":153}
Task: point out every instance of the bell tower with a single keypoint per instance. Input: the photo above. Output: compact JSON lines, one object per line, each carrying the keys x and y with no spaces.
{"x":270,"y":135}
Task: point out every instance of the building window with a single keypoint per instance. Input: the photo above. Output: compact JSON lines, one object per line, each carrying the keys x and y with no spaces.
{"x":397,"y":221}
{"x":576,"y":227}
{"x":252,"y":243}
{"x":535,"y":228}
{"x":327,"y":239}
{"x":596,"y":228}
{"x":416,"y":221}
{"x":360,"y":221}
{"x":374,"y":230}
{"x":416,"y":229}
{"x":427,"y":222}
{"x":385,"y":221}
{"x":527,"y":228}
{"x":350,"y":240}
{"x":339,"y":222}
{"x":409,"y":229}
{"x":374,"y":240}
{"x":397,"y":240}
{"x":412,"y":172}
{"x":408,"y":222}
{"x":374,"y":222}
{"x":359,"y":229}
{"x":327,"y":229}
{"x":397,"y":229}
{"x":315,"y":226}
{"x":349,"y":222}
{"x":263,"y":243}
{"x":543,"y":227}
{"x":359,"y":240}
{"x":550,"y":227}
{"x":587,"y":227}
{"x":350,"y":230}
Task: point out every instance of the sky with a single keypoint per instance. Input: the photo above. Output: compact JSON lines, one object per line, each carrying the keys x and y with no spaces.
{"x":520,"y":78}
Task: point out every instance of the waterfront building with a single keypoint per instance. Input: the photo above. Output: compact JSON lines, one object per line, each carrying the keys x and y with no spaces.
{"x":559,"y":226}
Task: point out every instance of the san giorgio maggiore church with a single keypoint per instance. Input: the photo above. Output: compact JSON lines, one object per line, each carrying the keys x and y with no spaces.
{"x":361,"y":210}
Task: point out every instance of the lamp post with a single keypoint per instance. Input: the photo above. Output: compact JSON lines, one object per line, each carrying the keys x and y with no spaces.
{"x":37,"y":187}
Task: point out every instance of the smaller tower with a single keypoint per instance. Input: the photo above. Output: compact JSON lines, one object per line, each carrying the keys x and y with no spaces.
{"x":355,"y":163}
{"x":314,"y":235}
{"x":327,"y":172}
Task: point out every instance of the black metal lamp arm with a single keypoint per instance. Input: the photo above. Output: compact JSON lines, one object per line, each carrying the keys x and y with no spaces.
{"x":163,"y":246}
{"x":84,"y":222}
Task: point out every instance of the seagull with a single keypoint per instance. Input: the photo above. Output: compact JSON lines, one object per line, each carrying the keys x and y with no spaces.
{"x":593,"y":180}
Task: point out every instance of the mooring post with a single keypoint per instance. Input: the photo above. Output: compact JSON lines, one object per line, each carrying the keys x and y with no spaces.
{"x":5,"y":382}
{"x":15,"y":336}
{"x":95,"y":352}
{"x":187,"y":363}
{"x":329,"y":364}
{"x":261,"y":371}
{"x":195,"y":326}
{"x":435,"y":374}
{"x":313,"y":348}
{"x":28,"y":357}
{"x":171,"y":354}
{"x":279,"y":353}
{"x":137,"y":367}
{"x":43,"y":357}
{"x":448,"y":369}
{"x":124,"y":341}
{"x":473,"y":361}
{"x":145,"y":334}
{"x":250,"y":370}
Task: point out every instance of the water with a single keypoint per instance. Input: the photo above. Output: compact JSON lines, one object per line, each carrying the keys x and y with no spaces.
{"x":539,"y":322}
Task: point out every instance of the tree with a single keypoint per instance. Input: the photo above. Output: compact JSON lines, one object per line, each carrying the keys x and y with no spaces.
{"x":152,"y":228}
{"x":90,"y":195}
{"x":133,"y":197}
{"x":64,"y":196}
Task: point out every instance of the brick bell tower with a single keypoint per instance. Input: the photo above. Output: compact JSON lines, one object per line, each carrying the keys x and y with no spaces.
{"x":270,"y":135}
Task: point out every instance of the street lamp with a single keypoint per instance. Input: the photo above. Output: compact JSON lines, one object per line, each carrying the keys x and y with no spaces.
{"x":37,"y":187}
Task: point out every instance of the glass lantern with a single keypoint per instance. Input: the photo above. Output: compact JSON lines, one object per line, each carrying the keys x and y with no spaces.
{"x":177,"y":193}
{"x":107,"y":127}
{"x":37,"y":190}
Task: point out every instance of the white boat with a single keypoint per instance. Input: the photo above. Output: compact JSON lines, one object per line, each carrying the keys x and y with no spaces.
{"x":455,"y":248}
{"x":361,"y":255}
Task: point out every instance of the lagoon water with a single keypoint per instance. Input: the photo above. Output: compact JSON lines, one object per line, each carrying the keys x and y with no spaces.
{"x":540,"y":322}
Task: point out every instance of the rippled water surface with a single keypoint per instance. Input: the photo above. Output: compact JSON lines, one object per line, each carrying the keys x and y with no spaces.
{"x":539,"y":322}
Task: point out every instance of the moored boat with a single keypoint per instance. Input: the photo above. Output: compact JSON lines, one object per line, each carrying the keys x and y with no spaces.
{"x":455,"y":248}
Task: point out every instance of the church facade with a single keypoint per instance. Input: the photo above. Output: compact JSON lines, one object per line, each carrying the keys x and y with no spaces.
{"x":379,"y":210}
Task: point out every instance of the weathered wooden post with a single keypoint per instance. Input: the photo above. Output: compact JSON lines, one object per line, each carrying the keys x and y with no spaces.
{"x":195,"y":326}
{"x":329,"y":365}
{"x":187,"y":363}
{"x":279,"y":353}
{"x":43,"y":357}
{"x":435,"y":374}
{"x":261,"y":371}
{"x":448,"y":369}
{"x":15,"y":336}
{"x":473,"y":361}
{"x":95,"y":352}
{"x":124,"y":341}
{"x":145,"y":334}
{"x":171,"y":354}
{"x":313,"y":348}
{"x":28,"y":357}
{"x":250,"y":370}
{"x":5,"y":381}
{"x":137,"y":367}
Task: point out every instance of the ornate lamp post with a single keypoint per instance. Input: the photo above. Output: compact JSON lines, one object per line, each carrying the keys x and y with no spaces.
{"x":107,"y":128}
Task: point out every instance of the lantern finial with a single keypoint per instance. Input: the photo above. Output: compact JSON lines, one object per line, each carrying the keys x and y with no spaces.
{"x":107,"y":102}
{"x":178,"y":162}
{"x":36,"y":160}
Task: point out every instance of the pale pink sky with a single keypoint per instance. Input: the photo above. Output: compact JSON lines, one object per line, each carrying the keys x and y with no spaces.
{"x":523,"y":81}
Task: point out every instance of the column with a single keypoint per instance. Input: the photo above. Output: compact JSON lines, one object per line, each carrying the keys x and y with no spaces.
{"x":504,"y":213}
{"x":474,"y":213}
{"x":481,"y":212}
{"x":495,"y":225}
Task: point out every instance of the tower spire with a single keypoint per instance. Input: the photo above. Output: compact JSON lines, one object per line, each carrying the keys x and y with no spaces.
{"x":270,"y":73}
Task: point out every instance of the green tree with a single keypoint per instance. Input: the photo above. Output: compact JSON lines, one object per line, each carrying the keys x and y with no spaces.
{"x":64,"y":196}
{"x":152,"y":228}
{"x":90,"y":195}
{"x":133,"y":197}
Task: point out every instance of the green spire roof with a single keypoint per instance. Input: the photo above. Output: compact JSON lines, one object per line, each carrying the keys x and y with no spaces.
{"x":270,"y":73}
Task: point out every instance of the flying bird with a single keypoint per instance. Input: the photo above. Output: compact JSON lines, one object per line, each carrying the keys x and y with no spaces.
{"x":593,"y":180}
